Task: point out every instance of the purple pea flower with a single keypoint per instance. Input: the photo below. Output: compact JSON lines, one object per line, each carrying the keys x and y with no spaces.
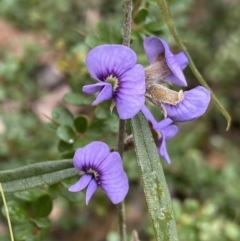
{"x":101,"y":168}
{"x":193,"y":105}
{"x":119,"y":78}
{"x":164,"y":130}
{"x":154,"y":47}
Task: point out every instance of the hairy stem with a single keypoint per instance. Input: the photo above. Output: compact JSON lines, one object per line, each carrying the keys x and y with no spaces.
{"x":126,"y":35}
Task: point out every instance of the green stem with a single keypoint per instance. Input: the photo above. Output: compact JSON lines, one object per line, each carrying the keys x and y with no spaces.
{"x":163,"y":6}
{"x":7,"y":214}
{"x":121,"y":206}
{"x":126,"y":35}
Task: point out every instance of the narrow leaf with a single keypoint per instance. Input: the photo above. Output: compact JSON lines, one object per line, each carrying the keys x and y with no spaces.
{"x":35,"y":169}
{"x":38,"y":181}
{"x":154,"y":183}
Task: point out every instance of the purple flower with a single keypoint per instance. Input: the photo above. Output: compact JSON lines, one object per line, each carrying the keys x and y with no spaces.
{"x":154,"y":47}
{"x":193,"y":105}
{"x":119,"y":78}
{"x":101,"y":168}
{"x":164,"y":130}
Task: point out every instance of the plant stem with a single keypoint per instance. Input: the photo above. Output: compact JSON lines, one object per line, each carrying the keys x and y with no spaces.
{"x":127,"y":22}
{"x":126,"y":35}
{"x":163,"y":6}
{"x":7,"y":213}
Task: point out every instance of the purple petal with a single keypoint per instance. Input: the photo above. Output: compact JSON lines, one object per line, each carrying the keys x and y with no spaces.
{"x":193,"y":105}
{"x":110,"y":59}
{"x":128,"y":106}
{"x":149,"y":115}
{"x":153,"y":47}
{"x":91,"y":155}
{"x":112,"y":164}
{"x":162,"y":124}
{"x":91,"y":89}
{"x":115,"y":186}
{"x":129,"y":96}
{"x":105,"y":94}
{"x":182,"y":60}
{"x":81,"y":183}
{"x":92,"y":187}
{"x":134,"y":79}
{"x":169,"y":131}
{"x":162,"y":149}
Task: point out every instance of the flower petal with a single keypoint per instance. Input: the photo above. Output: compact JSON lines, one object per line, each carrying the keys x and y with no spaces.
{"x":169,"y":131}
{"x":110,"y":59}
{"x":128,"y":106}
{"x":149,"y":115}
{"x":92,"y":187}
{"x":162,"y":149}
{"x":90,"y":156}
{"x":153,"y":47}
{"x":105,"y":94}
{"x":193,"y":105}
{"x":115,"y":186}
{"x":112,"y":164}
{"x":182,"y":60}
{"x":91,"y":89}
{"x":129,"y":97}
{"x":162,"y":124}
{"x":81,"y":183}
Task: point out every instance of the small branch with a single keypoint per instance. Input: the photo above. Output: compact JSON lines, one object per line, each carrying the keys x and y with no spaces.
{"x":127,"y":22}
{"x":126,"y":35}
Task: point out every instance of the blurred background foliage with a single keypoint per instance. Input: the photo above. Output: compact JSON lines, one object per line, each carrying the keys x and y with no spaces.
{"x":45,"y":116}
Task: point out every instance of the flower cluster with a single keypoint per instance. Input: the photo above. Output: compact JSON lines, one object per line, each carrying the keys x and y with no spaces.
{"x":126,"y":83}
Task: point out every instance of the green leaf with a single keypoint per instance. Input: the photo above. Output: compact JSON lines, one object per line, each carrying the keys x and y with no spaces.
{"x":154,"y":183}
{"x":81,"y":123}
{"x":23,"y":231}
{"x":101,"y":112}
{"x":103,"y":32}
{"x":23,"y":184}
{"x":116,"y":36}
{"x":153,"y":26}
{"x":43,"y":206}
{"x":64,"y":146}
{"x":66,"y":133}
{"x":92,"y":41}
{"x":76,"y":99}
{"x":63,"y":116}
{"x":80,"y":143}
{"x":42,"y":223}
{"x":35,"y":169}
{"x":141,"y":16}
{"x":16,"y":212}
{"x":29,"y":195}
{"x":112,"y":123}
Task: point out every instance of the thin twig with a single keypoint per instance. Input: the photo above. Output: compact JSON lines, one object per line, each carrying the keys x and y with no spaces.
{"x":7,"y":213}
{"x":126,"y":35}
